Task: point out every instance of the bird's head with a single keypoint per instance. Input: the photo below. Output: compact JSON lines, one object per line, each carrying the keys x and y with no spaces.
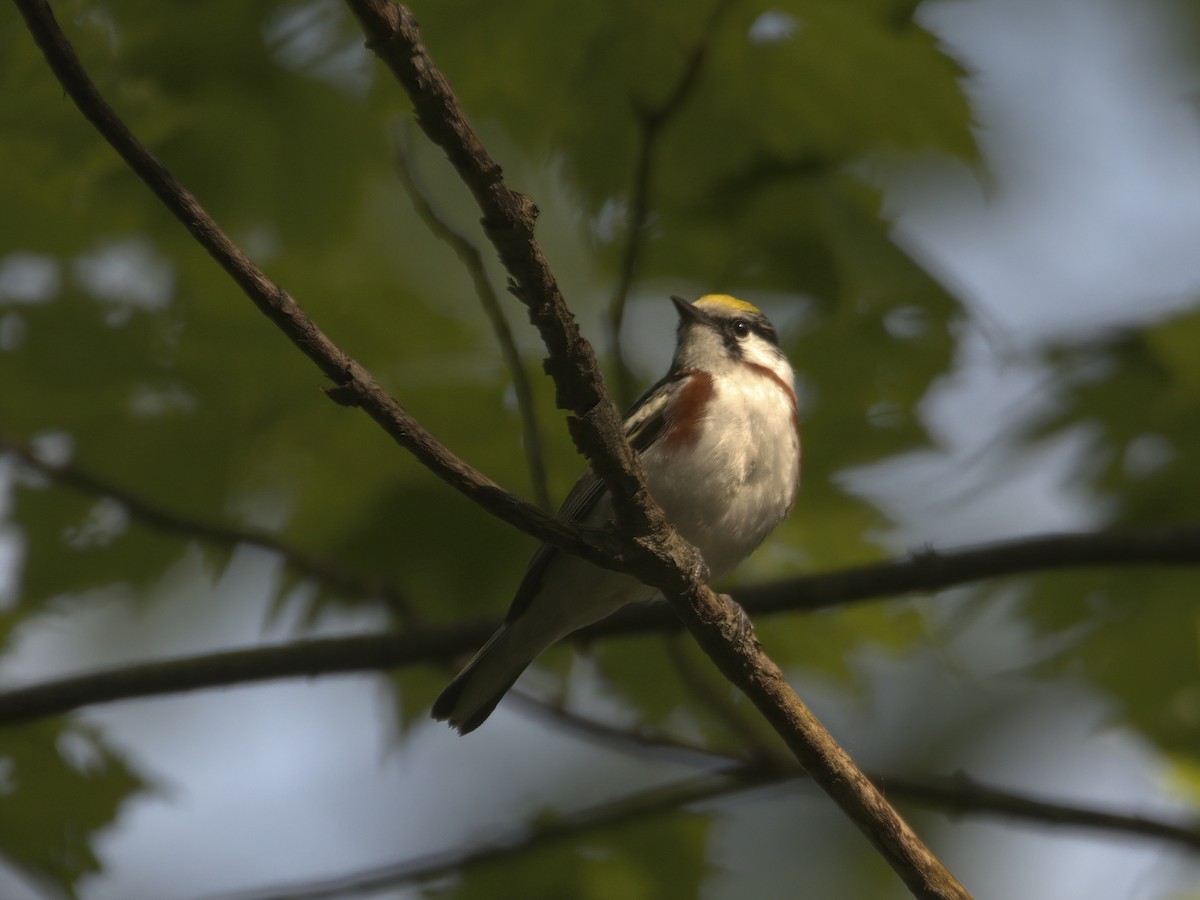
{"x":718,"y":333}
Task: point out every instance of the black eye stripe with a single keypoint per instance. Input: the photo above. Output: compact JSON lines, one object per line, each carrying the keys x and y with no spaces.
{"x":767,"y":331}
{"x":741,"y":328}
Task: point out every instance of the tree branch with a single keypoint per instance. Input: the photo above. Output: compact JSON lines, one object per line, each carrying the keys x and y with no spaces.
{"x":651,"y":122}
{"x":959,"y":795}
{"x":297,"y":659}
{"x":962,"y":794}
{"x":472,"y":260}
{"x":927,"y":570}
{"x":354,"y":385}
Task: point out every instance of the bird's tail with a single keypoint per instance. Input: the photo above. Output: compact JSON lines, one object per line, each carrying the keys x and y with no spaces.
{"x":470,"y":698}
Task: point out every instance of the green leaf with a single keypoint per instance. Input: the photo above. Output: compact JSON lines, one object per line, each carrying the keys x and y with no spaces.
{"x":1136,"y":396}
{"x":62,"y":786}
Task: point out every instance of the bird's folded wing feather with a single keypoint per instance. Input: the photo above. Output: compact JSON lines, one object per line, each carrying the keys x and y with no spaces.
{"x":643,"y":426}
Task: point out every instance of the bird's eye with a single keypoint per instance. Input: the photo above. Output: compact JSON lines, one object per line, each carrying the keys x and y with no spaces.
{"x":741,"y":330}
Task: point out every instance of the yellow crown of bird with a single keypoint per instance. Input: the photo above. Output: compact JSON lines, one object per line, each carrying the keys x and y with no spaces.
{"x":728,"y":302}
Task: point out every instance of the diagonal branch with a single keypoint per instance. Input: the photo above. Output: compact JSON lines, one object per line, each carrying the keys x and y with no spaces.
{"x":354,"y":384}
{"x":472,"y":260}
{"x":736,"y":720}
{"x":651,"y":123}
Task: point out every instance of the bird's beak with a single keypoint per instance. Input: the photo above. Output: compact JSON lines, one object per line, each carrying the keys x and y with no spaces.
{"x":687,"y":312}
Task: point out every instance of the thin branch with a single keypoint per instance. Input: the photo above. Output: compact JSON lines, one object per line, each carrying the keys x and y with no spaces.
{"x":667,"y":561}
{"x":472,"y":260}
{"x":929,"y":570}
{"x":759,"y":748}
{"x":657,"y":555}
{"x":665,"y":799}
{"x":959,"y":795}
{"x":1178,"y":546}
{"x":226,"y":537}
{"x":651,"y":123}
{"x":636,"y":740}
{"x":297,"y":659}
{"x":967,"y":796}
{"x":354,"y":385}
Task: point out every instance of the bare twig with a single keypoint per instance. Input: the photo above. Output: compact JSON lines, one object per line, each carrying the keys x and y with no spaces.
{"x":164,"y":520}
{"x":472,"y":260}
{"x":637,"y":740}
{"x":651,"y":123}
{"x":760,"y":748}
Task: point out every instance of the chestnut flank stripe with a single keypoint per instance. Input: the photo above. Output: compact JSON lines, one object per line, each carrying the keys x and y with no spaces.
{"x":686,"y":412}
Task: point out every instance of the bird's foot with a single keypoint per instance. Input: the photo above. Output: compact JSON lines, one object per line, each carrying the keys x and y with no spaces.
{"x":742,"y":625}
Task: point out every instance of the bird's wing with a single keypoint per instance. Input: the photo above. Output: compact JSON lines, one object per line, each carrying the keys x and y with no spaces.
{"x":643,"y":426}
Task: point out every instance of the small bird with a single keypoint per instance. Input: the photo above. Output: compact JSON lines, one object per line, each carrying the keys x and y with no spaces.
{"x":719,"y":438}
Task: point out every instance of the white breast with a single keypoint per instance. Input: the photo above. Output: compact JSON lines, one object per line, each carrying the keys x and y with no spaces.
{"x":730,"y":488}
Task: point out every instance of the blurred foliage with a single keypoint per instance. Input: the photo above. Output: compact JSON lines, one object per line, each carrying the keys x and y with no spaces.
{"x":123,"y":348}
{"x":61,"y":785}
{"x":1133,"y":398}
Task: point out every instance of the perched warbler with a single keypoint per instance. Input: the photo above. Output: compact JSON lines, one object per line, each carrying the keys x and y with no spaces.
{"x":720,"y":442}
